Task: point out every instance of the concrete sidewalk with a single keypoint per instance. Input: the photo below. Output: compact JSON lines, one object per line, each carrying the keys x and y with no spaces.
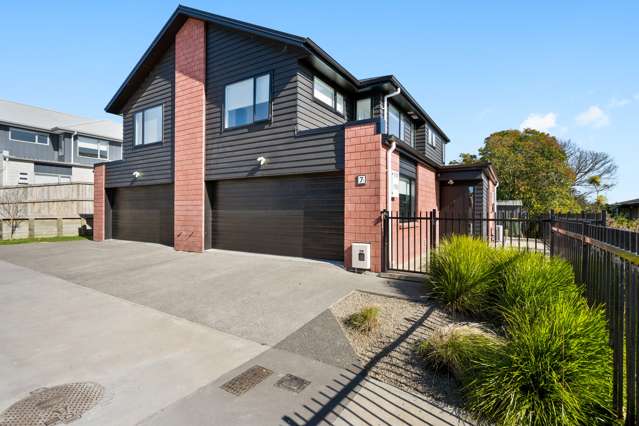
{"x":54,"y":332}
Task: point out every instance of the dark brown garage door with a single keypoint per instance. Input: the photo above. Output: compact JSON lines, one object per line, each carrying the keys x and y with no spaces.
{"x":292,"y":216}
{"x":142,"y":213}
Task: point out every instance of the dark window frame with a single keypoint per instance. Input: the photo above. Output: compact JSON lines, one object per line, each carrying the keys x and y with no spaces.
{"x":268,"y":119}
{"x":335,"y":93}
{"x":370,"y":107}
{"x":412,"y":185}
{"x":143,"y":110}
{"x":403,"y":117}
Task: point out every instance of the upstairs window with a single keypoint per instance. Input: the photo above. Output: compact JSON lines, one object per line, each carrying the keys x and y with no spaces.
{"x":148,"y":126}
{"x":364,"y":109}
{"x":431,"y":137}
{"x":247,"y":101}
{"x":28,"y":136}
{"x":400,"y":126}
{"x":93,"y":148}
{"x":324,"y":93}
{"x":394,"y":127}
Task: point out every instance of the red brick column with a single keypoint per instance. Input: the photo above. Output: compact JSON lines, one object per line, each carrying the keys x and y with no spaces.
{"x":364,"y":155}
{"x":99,"y":174}
{"x":190,"y":64}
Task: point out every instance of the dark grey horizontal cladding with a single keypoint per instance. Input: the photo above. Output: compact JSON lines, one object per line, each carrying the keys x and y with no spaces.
{"x":311,"y":113}
{"x":52,"y":169}
{"x":233,"y":153}
{"x":154,"y":161}
{"x":407,"y":167}
{"x":33,"y":151}
{"x":460,"y":175}
{"x":435,"y":153}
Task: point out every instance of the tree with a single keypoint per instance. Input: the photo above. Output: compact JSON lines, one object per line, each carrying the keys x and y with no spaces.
{"x":465,"y":158}
{"x":587,"y":164}
{"x":532,"y":166}
{"x":12,"y":208}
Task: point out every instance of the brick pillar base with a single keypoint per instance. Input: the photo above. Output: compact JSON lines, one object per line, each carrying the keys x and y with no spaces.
{"x":190,"y":64}
{"x":364,"y":155}
{"x":99,"y":174}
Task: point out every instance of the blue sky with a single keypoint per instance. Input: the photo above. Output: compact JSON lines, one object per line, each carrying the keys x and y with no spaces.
{"x":569,"y":67}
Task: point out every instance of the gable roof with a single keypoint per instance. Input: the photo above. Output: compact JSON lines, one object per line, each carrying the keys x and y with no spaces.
{"x":182,"y":13}
{"x":22,"y":115}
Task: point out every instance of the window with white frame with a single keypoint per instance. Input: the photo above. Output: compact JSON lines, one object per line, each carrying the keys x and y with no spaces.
{"x":93,"y":148}
{"x":148,"y":126}
{"x":325,"y":93}
{"x":28,"y":136}
{"x":364,"y":109}
{"x":247,"y":101}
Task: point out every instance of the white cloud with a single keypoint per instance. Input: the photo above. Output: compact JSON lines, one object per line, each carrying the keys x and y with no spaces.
{"x":618,"y":103}
{"x":594,"y":117}
{"x":540,"y":122}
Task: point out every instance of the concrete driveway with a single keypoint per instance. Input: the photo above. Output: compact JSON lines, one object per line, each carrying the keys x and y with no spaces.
{"x":162,"y":330}
{"x":258,"y":297}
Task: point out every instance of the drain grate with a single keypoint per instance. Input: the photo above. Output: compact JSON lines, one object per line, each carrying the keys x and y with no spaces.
{"x":292,"y":383}
{"x":247,"y":380}
{"x":51,"y":406}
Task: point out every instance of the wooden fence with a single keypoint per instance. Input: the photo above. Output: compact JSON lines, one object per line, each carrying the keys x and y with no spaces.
{"x":606,"y":261}
{"x":46,"y":210}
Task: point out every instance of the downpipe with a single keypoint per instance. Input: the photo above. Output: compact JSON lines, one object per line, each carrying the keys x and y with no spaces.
{"x":389,"y":172}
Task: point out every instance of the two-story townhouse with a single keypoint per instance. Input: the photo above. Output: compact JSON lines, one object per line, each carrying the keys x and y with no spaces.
{"x":38,"y":145}
{"x":246,"y":138}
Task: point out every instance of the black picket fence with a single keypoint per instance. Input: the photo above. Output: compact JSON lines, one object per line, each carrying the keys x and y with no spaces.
{"x":605,"y":261}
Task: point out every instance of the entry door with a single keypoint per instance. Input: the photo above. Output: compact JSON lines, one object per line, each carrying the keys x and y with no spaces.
{"x":457,"y":209}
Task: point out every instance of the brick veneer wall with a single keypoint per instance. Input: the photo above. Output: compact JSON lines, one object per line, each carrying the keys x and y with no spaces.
{"x":99,"y":173}
{"x":190,"y":60}
{"x":364,"y":155}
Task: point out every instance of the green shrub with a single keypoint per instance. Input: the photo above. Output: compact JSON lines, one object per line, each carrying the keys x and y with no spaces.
{"x":532,"y":281}
{"x":462,"y":272}
{"x":364,"y":321}
{"x":555,"y":368}
{"x":454,"y":347}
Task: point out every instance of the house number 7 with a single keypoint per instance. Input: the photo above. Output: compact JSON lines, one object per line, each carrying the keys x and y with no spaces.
{"x":361,"y":180}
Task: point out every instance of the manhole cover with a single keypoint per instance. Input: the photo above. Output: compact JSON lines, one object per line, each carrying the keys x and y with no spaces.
{"x":292,"y":383}
{"x":248,"y":379}
{"x":51,"y":406}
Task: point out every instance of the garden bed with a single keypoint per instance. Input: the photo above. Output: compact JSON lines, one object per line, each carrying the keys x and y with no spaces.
{"x":389,"y":349}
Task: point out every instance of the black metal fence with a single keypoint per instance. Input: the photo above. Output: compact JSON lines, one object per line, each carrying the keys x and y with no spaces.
{"x":410,"y":239}
{"x":605,"y":260}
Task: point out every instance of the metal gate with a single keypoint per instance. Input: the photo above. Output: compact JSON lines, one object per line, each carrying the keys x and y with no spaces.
{"x":408,"y":241}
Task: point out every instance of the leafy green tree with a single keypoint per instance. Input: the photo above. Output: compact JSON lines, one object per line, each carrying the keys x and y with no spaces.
{"x":465,"y":158}
{"x":533,"y":167}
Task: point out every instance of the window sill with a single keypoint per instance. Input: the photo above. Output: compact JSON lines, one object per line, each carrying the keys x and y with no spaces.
{"x":147,"y":145}
{"x":251,"y":126}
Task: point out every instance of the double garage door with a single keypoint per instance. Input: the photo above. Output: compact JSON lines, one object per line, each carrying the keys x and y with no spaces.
{"x":299,"y":216}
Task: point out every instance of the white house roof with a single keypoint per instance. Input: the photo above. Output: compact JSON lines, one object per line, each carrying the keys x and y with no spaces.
{"x":14,"y":113}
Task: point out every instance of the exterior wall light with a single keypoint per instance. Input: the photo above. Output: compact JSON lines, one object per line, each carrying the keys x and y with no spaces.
{"x":262,"y":160}
{"x":137,"y":175}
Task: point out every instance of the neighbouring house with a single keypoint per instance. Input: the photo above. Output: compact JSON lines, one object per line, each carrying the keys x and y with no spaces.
{"x":245,"y":138}
{"x":41,"y":146}
{"x":508,"y":209}
{"x":629,"y":209}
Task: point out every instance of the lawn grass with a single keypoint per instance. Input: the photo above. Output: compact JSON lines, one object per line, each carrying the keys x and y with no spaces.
{"x":42,"y":240}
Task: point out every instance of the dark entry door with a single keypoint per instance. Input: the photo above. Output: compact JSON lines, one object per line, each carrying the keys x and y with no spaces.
{"x":294,"y":215}
{"x":456,"y":209}
{"x":142,"y":213}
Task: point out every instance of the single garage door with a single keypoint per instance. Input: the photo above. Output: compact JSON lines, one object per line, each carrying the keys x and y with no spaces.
{"x":293,"y":216}
{"x":142,"y":213}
